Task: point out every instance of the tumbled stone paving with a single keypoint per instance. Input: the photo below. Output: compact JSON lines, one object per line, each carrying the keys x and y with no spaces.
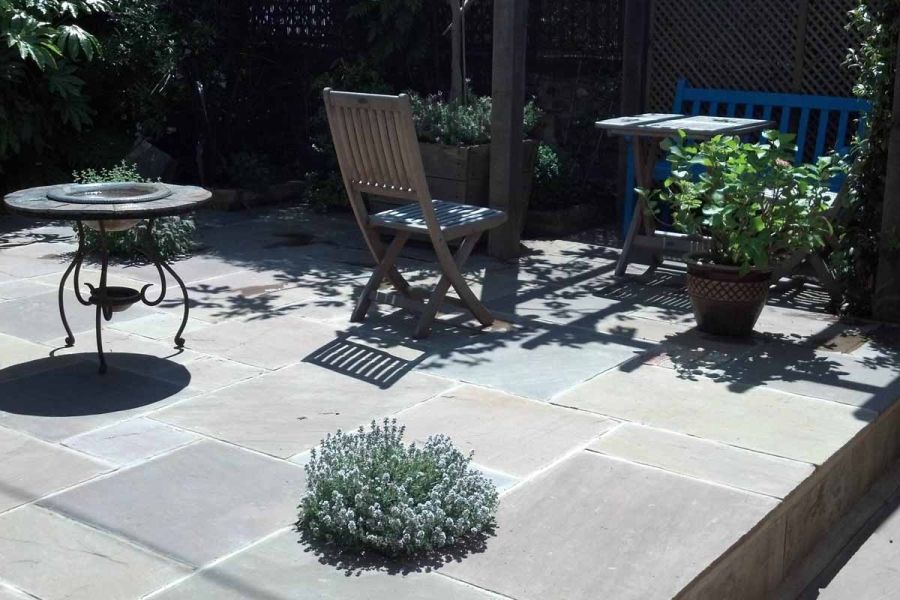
{"x":631,"y":451}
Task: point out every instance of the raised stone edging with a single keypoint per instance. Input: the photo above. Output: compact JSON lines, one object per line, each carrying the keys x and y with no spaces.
{"x":757,"y":563}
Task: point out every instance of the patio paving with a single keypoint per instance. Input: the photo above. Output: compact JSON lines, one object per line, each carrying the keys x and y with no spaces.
{"x":636,"y":457}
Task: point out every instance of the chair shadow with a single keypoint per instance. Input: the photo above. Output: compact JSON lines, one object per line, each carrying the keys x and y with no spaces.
{"x":53,"y":387}
{"x":362,"y":362}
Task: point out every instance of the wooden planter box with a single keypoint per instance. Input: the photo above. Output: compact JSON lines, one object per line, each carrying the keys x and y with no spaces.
{"x":463,"y":173}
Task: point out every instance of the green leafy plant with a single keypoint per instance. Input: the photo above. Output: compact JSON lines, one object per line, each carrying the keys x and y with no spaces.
{"x":41,"y":46}
{"x":458,"y":123}
{"x":174,"y":236}
{"x":749,"y":199}
{"x":369,"y":490}
{"x":555,"y":185}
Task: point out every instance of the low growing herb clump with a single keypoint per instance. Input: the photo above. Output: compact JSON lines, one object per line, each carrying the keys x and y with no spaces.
{"x":368,"y":489}
{"x":458,"y":123}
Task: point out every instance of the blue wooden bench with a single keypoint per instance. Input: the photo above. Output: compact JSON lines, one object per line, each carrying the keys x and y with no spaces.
{"x":821,"y":123}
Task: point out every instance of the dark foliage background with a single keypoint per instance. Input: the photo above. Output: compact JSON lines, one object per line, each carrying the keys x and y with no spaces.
{"x":231,"y":88}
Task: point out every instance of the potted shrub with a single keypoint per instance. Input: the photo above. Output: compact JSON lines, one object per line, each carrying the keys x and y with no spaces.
{"x":454,"y":137}
{"x":753,"y":208}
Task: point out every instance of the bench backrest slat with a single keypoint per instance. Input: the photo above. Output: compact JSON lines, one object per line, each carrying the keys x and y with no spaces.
{"x":833,"y":112}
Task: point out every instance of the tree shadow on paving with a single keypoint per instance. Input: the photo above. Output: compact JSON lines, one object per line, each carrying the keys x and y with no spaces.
{"x":779,"y":358}
{"x":355,"y":562}
{"x":323,"y":254}
{"x":75,"y":388}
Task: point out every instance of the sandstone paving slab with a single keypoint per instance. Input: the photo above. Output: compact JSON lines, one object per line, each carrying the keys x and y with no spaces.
{"x":130,"y":441}
{"x":797,"y":326}
{"x":284,"y":569}
{"x":755,"y":418}
{"x":159,"y":326}
{"x":192,"y":269}
{"x":50,"y":556}
{"x":8,"y":593}
{"x":76,"y":399}
{"x":502,"y":481}
{"x":820,"y":374}
{"x":507,"y":433}
{"x":19,"y":358}
{"x":22,"y":288}
{"x":90,"y":273}
{"x":30,"y":469}
{"x":37,"y":318}
{"x":536,"y":363}
{"x":289,"y":411}
{"x":56,"y":250}
{"x":268,"y":343}
{"x":703,"y":459}
{"x":242,"y":295}
{"x":205,"y":373}
{"x":27,"y":266}
{"x":596,"y":527}
{"x":195,"y":504}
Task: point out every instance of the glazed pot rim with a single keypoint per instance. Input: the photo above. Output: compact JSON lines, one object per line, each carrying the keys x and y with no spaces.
{"x":694,"y":259}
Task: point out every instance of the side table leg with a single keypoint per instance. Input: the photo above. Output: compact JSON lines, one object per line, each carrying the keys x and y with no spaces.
{"x":152,"y":252}
{"x":179,"y":341}
{"x":76,"y":263}
{"x":101,"y":298}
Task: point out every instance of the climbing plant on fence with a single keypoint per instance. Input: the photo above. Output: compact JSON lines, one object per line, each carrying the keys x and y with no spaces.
{"x":858,"y":226}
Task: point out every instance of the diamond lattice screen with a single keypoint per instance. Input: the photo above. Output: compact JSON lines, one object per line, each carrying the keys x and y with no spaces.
{"x":765,"y":45}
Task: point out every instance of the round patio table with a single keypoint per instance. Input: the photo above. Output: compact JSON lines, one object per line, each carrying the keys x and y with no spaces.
{"x":105,"y":208}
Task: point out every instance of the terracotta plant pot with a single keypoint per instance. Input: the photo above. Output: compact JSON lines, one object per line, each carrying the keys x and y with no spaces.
{"x":725,"y":301}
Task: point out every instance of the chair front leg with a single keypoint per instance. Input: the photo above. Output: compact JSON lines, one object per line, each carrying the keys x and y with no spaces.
{"x":383,"y":270}
{"x":376,"y":247}
{"x":451,"y":275}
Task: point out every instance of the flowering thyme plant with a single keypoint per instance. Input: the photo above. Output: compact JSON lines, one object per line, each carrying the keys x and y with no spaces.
{"x":369,"y":489}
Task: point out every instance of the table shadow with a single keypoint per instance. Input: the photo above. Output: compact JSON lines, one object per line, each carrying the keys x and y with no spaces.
{"x":71,"y":386}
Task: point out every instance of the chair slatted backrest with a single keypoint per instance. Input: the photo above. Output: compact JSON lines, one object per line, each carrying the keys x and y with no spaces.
{"x":821,"y":123}
{"x":376,"y":146}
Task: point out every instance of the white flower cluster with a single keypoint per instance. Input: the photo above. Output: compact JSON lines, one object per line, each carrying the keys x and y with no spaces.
{"x":368,"y":488}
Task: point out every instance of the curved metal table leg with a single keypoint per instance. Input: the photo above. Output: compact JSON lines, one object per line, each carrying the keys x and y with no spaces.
{"x":162,"y":267}
{"x":102,"y":308}
{"x":74,"y":265}
{"x":179,"y":341}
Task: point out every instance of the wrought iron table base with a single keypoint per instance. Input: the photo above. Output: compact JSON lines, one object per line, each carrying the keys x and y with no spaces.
{"x":110,"y":299}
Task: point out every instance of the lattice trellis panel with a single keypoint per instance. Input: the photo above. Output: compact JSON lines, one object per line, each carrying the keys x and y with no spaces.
{"x":317,"y":23}
{"x":765,"y":45}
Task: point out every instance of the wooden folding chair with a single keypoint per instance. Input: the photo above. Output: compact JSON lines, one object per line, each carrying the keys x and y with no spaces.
{"x":375,"y":141}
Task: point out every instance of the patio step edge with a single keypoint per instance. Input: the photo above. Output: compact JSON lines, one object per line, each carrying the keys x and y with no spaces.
{"x":775,"y":550}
